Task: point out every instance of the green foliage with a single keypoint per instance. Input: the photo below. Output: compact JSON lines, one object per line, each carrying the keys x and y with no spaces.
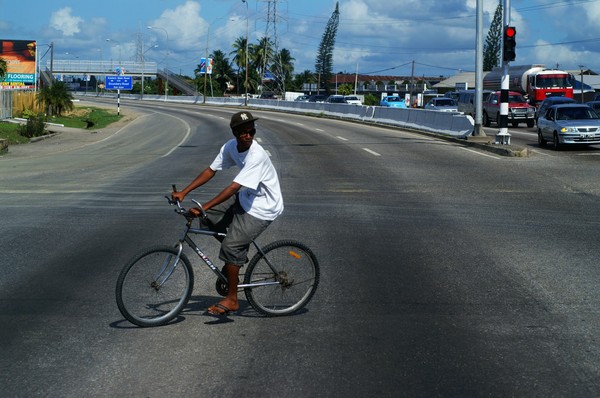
{"x":345,"y":89}
{"x":324,"y":61}
{"x":10,"y":132}
{"x":371,"y":100}
{"x":491,"y":48}
{"x":35,"y":127}
{"x":56,"y":98}
{"x":88,"y":117}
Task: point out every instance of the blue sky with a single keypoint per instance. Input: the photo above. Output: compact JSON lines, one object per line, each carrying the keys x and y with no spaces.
{"x":381,"y":37}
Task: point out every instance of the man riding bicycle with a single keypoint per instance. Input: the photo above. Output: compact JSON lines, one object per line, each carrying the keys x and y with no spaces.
{"x":245,"y":208}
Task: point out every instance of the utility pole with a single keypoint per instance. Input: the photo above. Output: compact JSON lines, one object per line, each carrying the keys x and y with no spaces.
{"x":478,"y":130}
{"x":503,"y":136}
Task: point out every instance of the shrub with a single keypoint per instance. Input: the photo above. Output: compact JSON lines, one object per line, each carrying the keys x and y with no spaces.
{"x":34,"y":127}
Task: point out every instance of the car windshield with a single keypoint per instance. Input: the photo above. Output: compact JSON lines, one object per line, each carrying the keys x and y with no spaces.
{"x":580,"y":113}
{"x":393,"y":99}
{"x":444,"y":102}
{"x":516,"y":98}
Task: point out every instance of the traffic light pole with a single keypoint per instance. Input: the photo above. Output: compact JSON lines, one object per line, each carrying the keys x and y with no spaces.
{"x":503,"y":136}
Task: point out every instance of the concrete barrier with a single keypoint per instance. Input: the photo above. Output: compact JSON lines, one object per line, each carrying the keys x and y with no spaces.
{"x":447,"y":123}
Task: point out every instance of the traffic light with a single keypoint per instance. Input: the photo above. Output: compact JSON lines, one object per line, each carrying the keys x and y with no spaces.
{"x":509,"y":44}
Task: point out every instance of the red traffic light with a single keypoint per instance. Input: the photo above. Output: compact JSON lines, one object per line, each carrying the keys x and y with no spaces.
{"x":510,"y":31}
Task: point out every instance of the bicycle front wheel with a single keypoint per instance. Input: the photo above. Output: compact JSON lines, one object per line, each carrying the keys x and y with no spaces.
{"x":287,"y":273}
{"x":153,"y":288}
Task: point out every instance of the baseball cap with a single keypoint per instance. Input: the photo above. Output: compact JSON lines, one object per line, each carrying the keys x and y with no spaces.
{"x":241,"y":118}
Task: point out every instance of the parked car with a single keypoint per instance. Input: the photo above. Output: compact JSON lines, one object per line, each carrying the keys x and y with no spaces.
{"x":595,"y":105}
{"x":519,"y":111}
{"x":548,"y":102}
{"x":393,"y":101}
{"x":336,"y":99}
{"x":352,"y":99}
{"x":569,"y":124}
{"x":466,"y":101}
{"x":444,"y":104}
{"x":316,"y":98}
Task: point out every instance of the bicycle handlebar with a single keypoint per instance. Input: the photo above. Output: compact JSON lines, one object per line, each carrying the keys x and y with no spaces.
{"x":181,"y":210}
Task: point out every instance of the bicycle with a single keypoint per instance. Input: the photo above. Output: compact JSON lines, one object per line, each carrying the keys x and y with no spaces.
{"x":156,"y":284}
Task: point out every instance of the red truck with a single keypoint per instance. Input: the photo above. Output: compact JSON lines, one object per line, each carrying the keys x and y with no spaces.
{"x":535,"y":81}
{"x":519,"y":111}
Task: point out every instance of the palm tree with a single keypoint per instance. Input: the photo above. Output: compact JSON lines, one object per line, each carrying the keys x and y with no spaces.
{"x":3,"y":68}
{"x":284,"y":68}
{"x":56,"y":98}
{"x":239,"y":59}
{"x":306,"y":77}
{"x":222,"y":70}
{"x":261,"y":54}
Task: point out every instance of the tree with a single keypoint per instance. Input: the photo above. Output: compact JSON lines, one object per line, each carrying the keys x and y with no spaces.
{"x":306,"y":77}
{"x":3,"y":68}
{"x":56,"y":98}
{"x":239,"y":59}
{"x":284,"y":68}
{"x":324,"y":62}
{"x":491,"y":48}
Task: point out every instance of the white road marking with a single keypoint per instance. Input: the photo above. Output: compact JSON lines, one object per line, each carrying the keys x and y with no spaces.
{"x":371,"y":152}
{"x":342,"y":138}
{"x":480,"y":153}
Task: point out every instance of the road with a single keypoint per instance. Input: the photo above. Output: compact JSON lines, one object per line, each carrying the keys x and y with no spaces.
{"x":446,"y":271}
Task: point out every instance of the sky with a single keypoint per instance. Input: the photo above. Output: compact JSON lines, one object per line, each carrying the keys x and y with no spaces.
{"x":376,"y":37}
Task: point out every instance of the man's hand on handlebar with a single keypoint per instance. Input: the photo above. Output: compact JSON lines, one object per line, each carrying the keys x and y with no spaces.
{"x":177,"y":196}
{"x":195,"y":212}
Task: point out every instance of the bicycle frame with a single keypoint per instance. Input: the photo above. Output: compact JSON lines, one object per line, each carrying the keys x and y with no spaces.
{"x":199,"y":231}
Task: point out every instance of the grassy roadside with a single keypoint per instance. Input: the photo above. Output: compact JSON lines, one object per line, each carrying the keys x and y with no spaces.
{"x":89,"y":118}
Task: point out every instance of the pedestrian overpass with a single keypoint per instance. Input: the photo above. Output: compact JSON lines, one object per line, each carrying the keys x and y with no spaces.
{"x":100,"y":69}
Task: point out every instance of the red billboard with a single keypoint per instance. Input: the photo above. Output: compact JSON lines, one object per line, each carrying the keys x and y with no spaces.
{"x":19,"y":56}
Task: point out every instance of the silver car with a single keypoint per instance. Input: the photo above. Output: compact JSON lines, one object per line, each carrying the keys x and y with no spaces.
{"x":569,"y":124}
{"x":443,"y":104}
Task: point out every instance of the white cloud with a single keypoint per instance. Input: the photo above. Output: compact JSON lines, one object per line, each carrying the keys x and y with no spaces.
{"x":184,"y":25}
{"x":63,"y":21}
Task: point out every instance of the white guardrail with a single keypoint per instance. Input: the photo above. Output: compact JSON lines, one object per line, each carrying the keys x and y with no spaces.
{"x":447,"y":123}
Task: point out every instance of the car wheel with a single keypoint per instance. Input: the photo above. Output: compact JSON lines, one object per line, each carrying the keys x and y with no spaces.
{"x":556,"y":143}
{"x":530,"y":123}
{"x":541,"y":140}
{"x":486,"y":120}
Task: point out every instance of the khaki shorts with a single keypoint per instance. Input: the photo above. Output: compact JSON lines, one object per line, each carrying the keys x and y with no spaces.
{"x":241,"y":228}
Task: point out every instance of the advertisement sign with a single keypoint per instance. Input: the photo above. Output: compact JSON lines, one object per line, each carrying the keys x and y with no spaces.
{"x":119,"y":83}
{"x":19,"y":56}
{"x":203,"y":65}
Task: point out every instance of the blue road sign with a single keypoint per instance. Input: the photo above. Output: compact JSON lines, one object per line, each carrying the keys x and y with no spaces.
{"x":119,"y":83}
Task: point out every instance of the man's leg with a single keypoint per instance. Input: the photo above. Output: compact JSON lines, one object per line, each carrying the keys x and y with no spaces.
{"x":230,"y":302}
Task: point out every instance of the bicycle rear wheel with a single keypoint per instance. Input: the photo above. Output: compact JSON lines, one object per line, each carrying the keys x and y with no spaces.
{"x":294,"y":268}
{"x":152,"y":289}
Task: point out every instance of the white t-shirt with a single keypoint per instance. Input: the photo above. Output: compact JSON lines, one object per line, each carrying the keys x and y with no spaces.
{"x":261,"y":195}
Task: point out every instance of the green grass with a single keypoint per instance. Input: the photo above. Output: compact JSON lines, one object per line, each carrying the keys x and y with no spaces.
{"x":78,"y":118}
{"x":8,"y":131}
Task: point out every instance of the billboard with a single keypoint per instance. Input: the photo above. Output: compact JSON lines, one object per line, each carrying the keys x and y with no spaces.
{"x":19,"y":56}
{"x":203,"y":65}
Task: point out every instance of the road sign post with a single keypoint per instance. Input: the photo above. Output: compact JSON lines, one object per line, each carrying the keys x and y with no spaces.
{"x":119,"y":83}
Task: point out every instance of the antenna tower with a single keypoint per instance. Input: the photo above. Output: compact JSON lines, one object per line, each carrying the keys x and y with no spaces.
{"x":272,"y":73}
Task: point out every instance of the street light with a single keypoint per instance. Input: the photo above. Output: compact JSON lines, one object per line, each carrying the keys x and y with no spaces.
{"x":246,"y":81}
{"x":144,"y":66}
{"x":118,"y":45}
{"x":206,"y":59}
{"x":166,"y":60}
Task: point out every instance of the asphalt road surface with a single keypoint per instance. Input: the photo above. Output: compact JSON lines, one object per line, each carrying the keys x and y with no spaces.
{"x":446,"y":271}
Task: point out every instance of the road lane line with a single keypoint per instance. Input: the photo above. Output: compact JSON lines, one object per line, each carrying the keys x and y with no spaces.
{"x":341,"y":138}
{"x":480,"y":153}
{"x":371,"y":152}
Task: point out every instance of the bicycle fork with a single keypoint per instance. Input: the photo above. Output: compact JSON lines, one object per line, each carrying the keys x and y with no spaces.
{"x":166,"y":267}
